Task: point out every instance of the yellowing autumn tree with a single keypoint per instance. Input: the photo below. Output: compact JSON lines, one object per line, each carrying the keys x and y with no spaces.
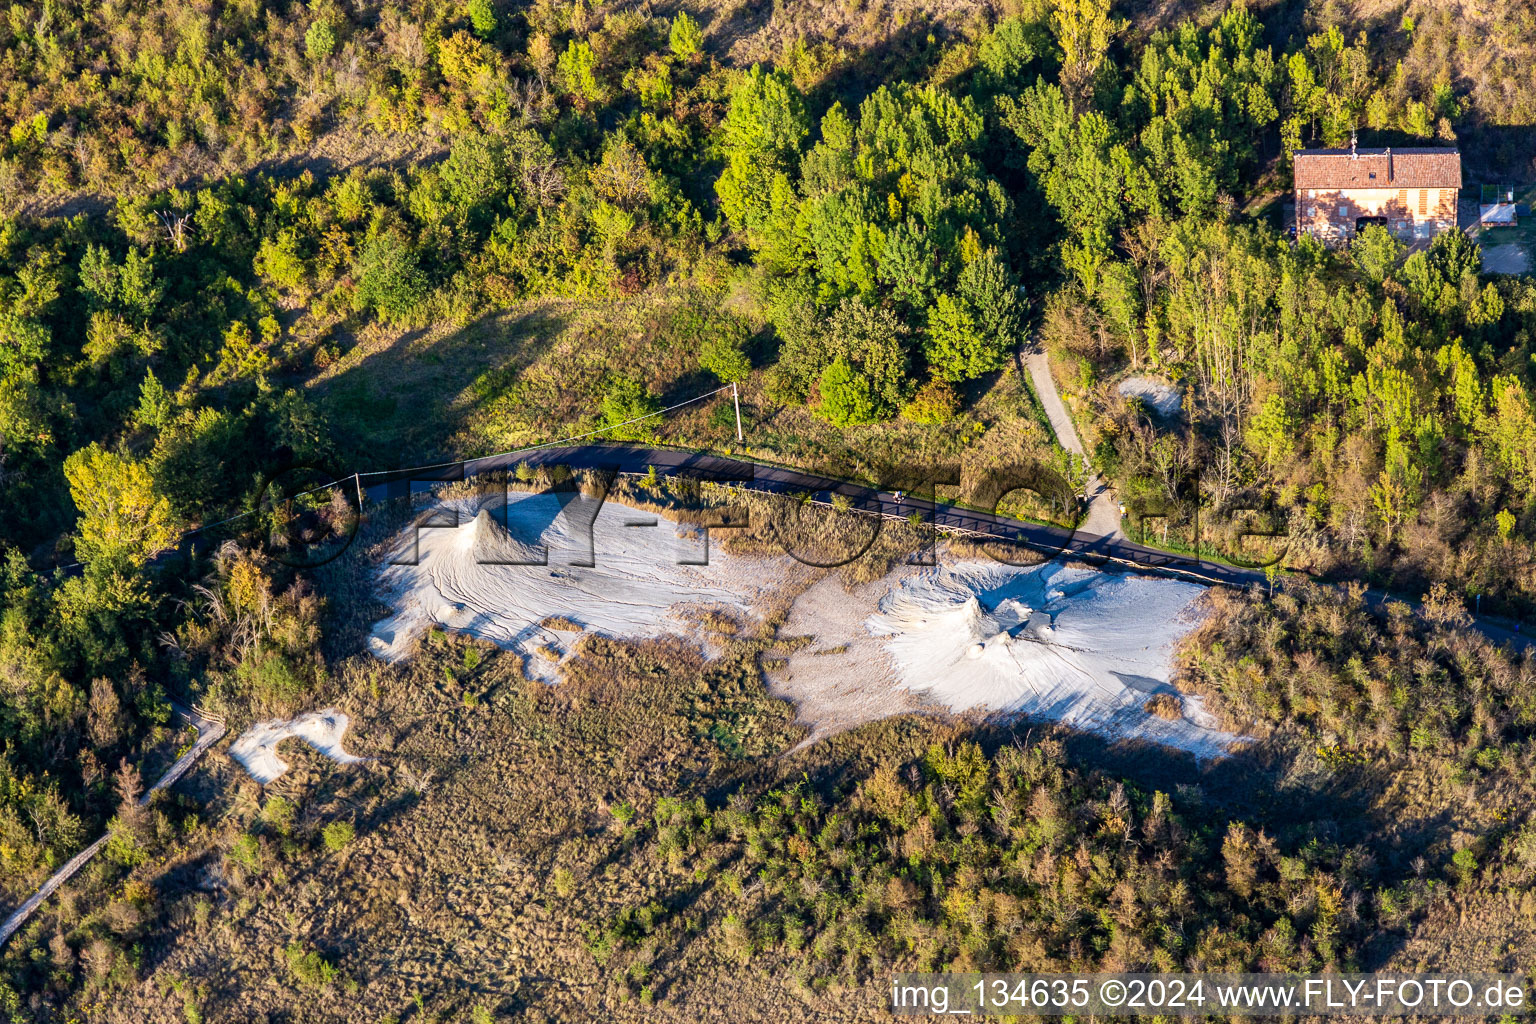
{"x":122,"y":519}
{"x":1083,"y":28}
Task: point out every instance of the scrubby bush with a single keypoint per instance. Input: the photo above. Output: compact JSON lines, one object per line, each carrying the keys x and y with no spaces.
{"x":390,"y":278}
{"x":338,"y":836}
{"x":685,"y":37}
{"x":320,"y":40}
{"x":307,"y":967}
{"x":935,"y":402}
{"x":246,"y":852}
{"x":482,"y":15}
{"x":722,"y":356}
{"x":626,"y":400}
{"x":846,"y":397}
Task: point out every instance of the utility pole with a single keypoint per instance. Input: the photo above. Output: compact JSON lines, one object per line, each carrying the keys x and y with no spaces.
{"x":736,"y":398}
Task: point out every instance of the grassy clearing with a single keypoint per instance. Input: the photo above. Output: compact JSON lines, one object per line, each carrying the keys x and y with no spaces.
{"x":406,"y":394}
{"x":538,"y":374}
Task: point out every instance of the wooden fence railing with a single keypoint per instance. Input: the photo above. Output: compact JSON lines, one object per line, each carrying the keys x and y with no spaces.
{"x":210,"y":730}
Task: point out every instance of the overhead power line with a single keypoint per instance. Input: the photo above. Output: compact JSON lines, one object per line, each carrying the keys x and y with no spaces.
{"x":458,"y":462}
{"x":549,"y":444}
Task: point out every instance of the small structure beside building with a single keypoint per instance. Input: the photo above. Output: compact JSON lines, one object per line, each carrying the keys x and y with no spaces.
{"x":1411,"y":192}
{"x":1501,"y":211}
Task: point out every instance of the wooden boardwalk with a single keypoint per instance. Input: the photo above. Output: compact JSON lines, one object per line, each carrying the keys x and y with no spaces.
{"x":210,"y":731}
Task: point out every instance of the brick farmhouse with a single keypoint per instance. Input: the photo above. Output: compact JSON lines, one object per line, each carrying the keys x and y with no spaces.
{"x":1410,"y":192}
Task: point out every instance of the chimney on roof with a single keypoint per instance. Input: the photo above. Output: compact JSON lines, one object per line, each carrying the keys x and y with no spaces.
{"x":1389,"y":165}
{"x":1352,"y":154}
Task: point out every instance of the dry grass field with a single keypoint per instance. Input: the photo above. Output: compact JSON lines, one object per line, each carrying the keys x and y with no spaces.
{"x":534,"y":853}
{"x":502,"y":827}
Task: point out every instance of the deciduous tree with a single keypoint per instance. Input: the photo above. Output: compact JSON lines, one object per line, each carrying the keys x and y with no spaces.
{"x":123,"y":521}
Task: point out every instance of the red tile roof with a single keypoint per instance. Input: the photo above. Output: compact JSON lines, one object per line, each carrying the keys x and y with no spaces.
{"x":1378,"y":168}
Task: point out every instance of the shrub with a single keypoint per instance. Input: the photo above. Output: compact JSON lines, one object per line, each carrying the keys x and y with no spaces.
{"x":309,"y":968}
{"x":686,"y":38}
{"x":627,"y":399}
{"x":873,"y":341}
{"x":737,"y":939}
{"x":279,"y":814}
{"x":1164,"y":705}
{"x":576,"y":71}
{"x":722,"y":356}
{"x":155,"y":405}
{"x":391,"y":282}
{"x":482,"y":16}
{"x":935,"y":402}
{"x":845,"y":396}
{"x":474,"y":174}
{"x":123,"y":846}
{"x":270,"y":679}
{"x":320,"y":40}
{"x":338,"y":835}
{"x":246,"y":852}
{"x":280,"y":261}
{"x":1464,"y":861}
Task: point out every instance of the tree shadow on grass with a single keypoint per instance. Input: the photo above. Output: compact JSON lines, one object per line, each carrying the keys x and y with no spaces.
{"x":1268,"y":785}
{"x":399,"y":406}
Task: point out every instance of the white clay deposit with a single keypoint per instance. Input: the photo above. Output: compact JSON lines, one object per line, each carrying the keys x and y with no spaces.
{"x":256,"y":748}
{"x":1065,"y":643}
{"x":463,"y":579}
{"x":1160,"y":396}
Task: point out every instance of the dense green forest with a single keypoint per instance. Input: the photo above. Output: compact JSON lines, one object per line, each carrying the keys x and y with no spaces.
{"x":861,"y":214}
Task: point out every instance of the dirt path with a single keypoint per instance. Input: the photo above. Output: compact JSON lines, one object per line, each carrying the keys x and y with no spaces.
{"x":1103,"y":509}
{"x":1505,"y":258}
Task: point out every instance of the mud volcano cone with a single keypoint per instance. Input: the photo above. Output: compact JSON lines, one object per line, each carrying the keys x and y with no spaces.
{"x":491,"y":544}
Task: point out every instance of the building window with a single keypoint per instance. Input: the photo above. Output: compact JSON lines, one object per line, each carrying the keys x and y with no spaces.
{"x":1423,"y":201}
